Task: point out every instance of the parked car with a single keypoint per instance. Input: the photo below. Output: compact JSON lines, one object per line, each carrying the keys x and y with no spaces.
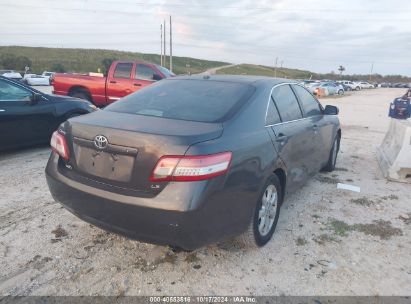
{"x":124,"y":78}
{"x":367,"y":85}
{"x":193,"y":160}
{"x":401,"y":85}
{"x":29,"y":117}
{"x":363,"y":85}
{"x":33,"y":79}
{"x":11,"y":74}
{"x":385,"y":85}
{"x":346,"y":88}
{"x":330,"y":88}
{"x":47,"y":74}
{"x":348,"y":84}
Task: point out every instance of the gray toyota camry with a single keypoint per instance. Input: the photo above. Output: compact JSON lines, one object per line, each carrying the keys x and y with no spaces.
{"x":193,"y":160}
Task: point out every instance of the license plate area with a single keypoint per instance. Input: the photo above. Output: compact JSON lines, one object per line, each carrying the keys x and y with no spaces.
{"x":114,"y":163}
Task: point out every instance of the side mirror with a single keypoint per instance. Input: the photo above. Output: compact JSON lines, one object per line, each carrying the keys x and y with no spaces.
{"x":331,"y":110}
{"x":157,"y":77}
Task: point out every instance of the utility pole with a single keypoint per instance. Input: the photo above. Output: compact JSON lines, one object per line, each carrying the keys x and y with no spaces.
{"x":275,"y":68}
{"x":161,"y":44}
{"x":171,"y":48}
{"x":281,"y":64}
{"x":165,"y":48}
{"x":372,"y":68}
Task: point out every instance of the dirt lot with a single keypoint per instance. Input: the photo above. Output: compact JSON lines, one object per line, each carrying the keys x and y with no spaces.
{"x":328,"y":241}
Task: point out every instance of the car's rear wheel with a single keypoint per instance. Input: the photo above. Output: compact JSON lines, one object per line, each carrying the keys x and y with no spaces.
{"x":357,"y":88}
{"x":340,"y":92}
{"x":80,"y":94}
{"x":265,"y":216}
{"x":332,"y":160}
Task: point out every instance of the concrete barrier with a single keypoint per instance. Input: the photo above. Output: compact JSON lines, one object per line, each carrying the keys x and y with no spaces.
{"x":394,"y":153}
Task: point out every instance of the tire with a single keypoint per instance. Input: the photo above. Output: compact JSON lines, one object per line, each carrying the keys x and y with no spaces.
{"x":357,"y":88}
{"x":332,"y":159}
{"x":257,"y":235}
{"x":340,"y":92}
{"x":80,"y":94}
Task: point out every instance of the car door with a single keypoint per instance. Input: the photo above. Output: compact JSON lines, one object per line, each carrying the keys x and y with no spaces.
{"x":24,"y":118}
{"x":119,"y":83}
{"x":332,"y":88}
{"x":293,"y":136}
{"x":144,"y":76}
{"x":323,"y":129}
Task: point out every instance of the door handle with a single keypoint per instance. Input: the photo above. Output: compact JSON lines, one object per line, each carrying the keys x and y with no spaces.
{"x":2,"y":110}
{"x":281,"y":138}
{"x":113,"y":81}
{"x":137,"y":84}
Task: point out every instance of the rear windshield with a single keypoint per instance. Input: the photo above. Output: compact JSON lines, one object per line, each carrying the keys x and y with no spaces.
{"x":195,"y":100}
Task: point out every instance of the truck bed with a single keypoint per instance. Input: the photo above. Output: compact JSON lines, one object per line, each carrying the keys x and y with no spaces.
{"x":65,"y":83}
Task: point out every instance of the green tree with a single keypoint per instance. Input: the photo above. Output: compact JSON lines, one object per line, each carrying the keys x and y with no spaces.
{"x":22,"y":62}
{"x":8,"y":61}
{"x":12,"y":62}
{"x":341,"y":69}
{"x":58,"y":67}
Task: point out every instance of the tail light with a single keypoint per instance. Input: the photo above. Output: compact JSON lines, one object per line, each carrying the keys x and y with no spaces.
{"x":190,"y":168}
{"x":58,"y":144}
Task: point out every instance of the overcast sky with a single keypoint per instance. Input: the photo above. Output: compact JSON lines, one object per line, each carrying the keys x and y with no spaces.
{"x":317,"y":35}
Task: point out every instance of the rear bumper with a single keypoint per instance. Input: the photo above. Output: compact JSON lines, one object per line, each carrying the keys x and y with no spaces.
{"x":187,"y":224}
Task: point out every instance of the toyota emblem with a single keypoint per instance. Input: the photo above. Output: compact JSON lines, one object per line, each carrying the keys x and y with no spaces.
{"x":100,"y":142}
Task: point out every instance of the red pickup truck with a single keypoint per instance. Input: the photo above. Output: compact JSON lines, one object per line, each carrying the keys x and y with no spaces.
{"x":124,"y":77}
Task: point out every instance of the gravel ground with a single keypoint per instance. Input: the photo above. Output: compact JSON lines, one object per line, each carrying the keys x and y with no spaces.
{"x":328,"y":241}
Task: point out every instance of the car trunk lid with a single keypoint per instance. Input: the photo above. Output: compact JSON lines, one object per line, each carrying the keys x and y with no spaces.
{"x":124,"y":154}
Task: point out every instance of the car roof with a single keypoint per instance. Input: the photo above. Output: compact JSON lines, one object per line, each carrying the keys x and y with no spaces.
{"x":236,"y":78}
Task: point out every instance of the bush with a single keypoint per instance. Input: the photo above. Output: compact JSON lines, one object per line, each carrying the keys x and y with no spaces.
{"x":58,"y":67}
{"x":12,"y":62}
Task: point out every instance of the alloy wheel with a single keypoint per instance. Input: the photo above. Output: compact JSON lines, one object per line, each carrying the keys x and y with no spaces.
{"x":335,"y":150}
{"x":268,"y":210}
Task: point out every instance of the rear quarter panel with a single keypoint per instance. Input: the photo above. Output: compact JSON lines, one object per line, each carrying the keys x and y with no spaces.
{"x":253,"y":160}
{"x":63,"y":83}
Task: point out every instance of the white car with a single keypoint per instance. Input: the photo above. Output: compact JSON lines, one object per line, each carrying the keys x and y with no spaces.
{"x":363,"y":85}
{"x":11,"y":74}
{"x":366,"y":85}
{"x":349,"y":84}
{"x":33,"y":79}
{"x":47,"y":74}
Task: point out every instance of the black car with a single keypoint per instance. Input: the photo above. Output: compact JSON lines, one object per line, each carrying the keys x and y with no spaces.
{"x":193,"y":160}
{"x":29,"y":117}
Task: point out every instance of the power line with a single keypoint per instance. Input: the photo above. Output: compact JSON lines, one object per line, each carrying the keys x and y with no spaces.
{"x":110,"y":11}
{"x":252,"y":7}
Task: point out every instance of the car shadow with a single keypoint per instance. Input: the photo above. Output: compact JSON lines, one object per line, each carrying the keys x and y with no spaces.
{"x":21,"y":152}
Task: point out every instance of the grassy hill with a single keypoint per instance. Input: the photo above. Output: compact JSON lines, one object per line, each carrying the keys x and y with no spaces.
{"x":89,"y":60}
{"x":259,"y":70}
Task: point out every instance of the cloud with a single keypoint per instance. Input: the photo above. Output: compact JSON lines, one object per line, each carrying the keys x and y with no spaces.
{"x":318,"y":35}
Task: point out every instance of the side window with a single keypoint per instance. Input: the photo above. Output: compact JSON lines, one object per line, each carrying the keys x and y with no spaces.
{"x":144,"y":72}
{"x":123,"y":70}
{"x":308,"y":102}
{"x":272,"y":114}
{"x":287,"y":103}
{"x":9,"y":92}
